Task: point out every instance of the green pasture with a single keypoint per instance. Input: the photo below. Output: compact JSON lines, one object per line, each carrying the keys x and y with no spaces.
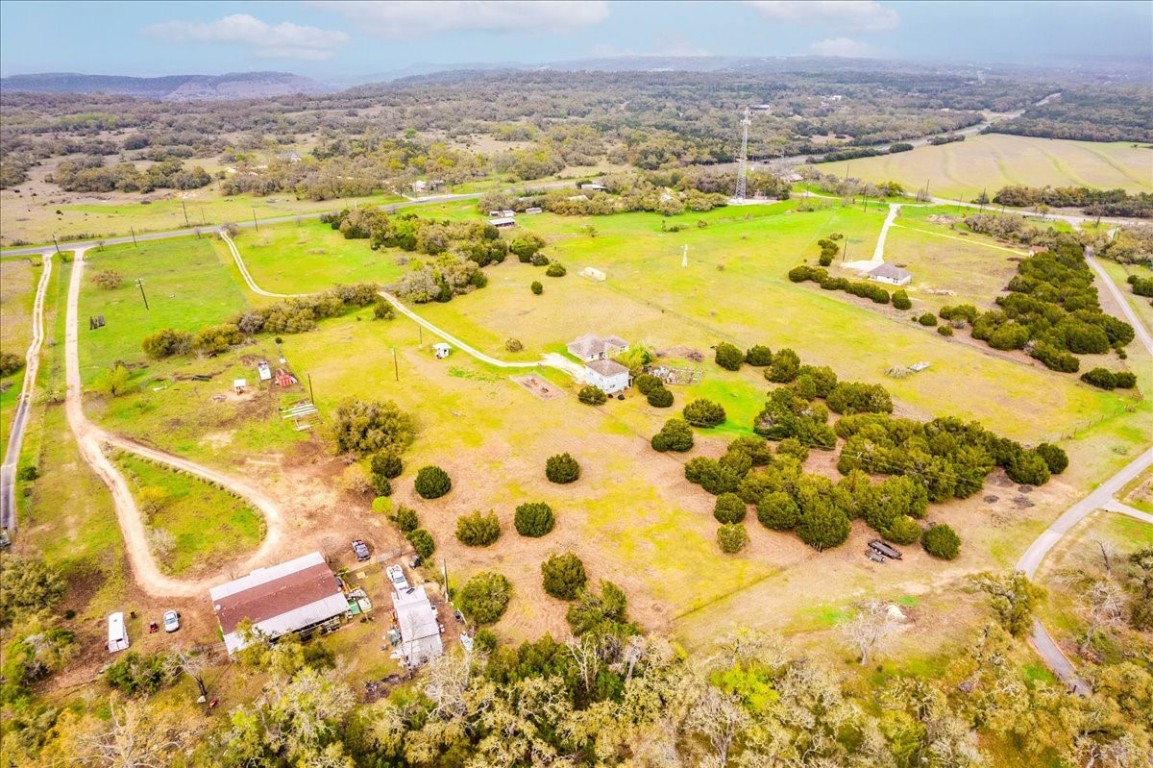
{"x":185,"y":285}
{"x":208,"y":525}
{"x":992,"y":161}
{"x":18,"y":280}
{"x":311,"y":256}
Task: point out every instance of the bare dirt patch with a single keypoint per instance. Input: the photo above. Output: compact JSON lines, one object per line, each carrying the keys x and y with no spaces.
{"x":539,"y":387}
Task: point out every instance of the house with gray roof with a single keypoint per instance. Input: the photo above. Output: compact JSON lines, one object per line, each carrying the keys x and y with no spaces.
{"x":887,"y":273}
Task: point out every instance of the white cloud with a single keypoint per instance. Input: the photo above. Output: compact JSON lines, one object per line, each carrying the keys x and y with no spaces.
{"x":857,"y":15}
{"x":417,"y":18}
{"x":267,"y":41}
{"x":844,"y":48}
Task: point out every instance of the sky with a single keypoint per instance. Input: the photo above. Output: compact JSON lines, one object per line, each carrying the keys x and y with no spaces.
{"x":339,"y":40}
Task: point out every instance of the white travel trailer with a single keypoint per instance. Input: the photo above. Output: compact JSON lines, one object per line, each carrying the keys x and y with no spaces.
{"x":117,"y":634}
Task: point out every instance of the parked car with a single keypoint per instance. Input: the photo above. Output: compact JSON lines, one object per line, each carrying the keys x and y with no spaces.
{"x":171,"y":621}
{"x":396,"y":578}
{"x":361,"y":550}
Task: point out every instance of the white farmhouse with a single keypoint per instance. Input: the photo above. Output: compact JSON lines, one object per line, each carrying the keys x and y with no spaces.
{"x":887,"y":273}
{"x":611,"y":377}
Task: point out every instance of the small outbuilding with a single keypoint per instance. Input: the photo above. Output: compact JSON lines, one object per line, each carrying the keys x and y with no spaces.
{"x":503,"y":222}
{"x":240,"y":385}
{"x":593,"y":274}
{"x":441,"y":350}
{"x":887,"y":273}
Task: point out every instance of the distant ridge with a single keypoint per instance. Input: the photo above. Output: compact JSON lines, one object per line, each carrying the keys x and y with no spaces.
{"x":236,"y":85}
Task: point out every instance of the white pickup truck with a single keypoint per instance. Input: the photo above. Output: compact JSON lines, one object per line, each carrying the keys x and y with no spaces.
{"x":396,"y":576}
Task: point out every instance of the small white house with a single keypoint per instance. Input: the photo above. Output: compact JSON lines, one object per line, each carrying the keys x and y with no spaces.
{"x":117,"y":634}
{"x":887,"y":273}
{"x":239,"y":385}
{"x":610,"y":376}
{"x":441,"y":350}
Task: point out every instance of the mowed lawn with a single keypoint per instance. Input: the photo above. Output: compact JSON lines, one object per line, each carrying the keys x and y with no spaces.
{"x":992,"y":161}
{"x":208,"y":526}
{"x":186,"y":287}
{"x":18,"y":280}
{"x":310,"y":257}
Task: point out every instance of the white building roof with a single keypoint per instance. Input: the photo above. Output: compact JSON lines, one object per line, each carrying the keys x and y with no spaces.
{"x":419,"y":628}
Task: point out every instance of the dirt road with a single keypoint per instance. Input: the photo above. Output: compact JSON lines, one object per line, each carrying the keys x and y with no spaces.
{"x":91,"y":439}
{"x":24,"y":403}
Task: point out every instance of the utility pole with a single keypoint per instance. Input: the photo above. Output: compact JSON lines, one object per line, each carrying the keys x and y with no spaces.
{"x":56,"y":243}
{"x":134,"y":244}
{"x":254,"y":221}
{"x":311,"y":396}
{"x":187,"y":223}
{"x":140,"y":283}
{"x":395,"y":366}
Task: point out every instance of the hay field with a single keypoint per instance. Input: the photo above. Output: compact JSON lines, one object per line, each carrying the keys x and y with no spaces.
{"x":992,"y":161}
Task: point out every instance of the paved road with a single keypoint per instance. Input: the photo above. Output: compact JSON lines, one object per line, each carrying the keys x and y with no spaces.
{"x":8,"y":516}
{"x":91,"y":439}
{"x":1139,"y":329}
{"x":1101,"y":498}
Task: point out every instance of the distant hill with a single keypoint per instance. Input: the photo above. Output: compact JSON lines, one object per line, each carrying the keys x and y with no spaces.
{"x":239,"y":85}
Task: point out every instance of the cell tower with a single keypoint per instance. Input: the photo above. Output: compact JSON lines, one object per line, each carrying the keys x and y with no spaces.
{"x":742,"y":166}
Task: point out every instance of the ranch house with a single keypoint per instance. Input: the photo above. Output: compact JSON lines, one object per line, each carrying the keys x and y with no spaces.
{"x":887,"y":273}
{"x":588,"y":348}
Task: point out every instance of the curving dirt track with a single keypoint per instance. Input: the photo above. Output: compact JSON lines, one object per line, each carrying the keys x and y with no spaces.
{"x":91,"y":439}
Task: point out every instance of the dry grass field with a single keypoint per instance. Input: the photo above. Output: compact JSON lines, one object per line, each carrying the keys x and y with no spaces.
{"x":992,"y":161}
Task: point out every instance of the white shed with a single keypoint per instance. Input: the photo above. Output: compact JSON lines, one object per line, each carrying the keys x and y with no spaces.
{"x":117,"y":634}
{"x":441,"y":350}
